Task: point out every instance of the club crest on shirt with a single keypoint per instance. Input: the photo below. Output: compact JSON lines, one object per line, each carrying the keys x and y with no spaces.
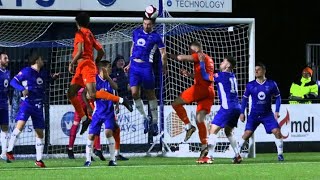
{"x":6,"y":83}
{"x":39,"y":81}
{"x":141,"y":42}
{"x":261,"y":95}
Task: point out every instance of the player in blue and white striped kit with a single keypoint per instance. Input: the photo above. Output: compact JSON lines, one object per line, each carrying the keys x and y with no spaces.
{"x":4,"y":112}
{"x":31,"y":81}
{"x":145,"y":43}
{"x":262,"y":90}
{"x":228,"y":114}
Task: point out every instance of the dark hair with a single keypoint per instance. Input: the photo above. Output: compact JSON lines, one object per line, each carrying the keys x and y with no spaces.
{"x":33,"y":58}
{"x":231,"y":60}
{"x":104,"y":62}
{"x":195,"y":43}
{"x":153,"y":20}
{"x":83,"y":19}
{"x":3,"y":52}
{"x":114,"y":63}
{"x":260,"y":64}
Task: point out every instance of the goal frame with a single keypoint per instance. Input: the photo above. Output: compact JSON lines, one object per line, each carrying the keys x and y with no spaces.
{"x":250,"y":21}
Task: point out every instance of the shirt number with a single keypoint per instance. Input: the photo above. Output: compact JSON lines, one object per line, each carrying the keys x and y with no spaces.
{"x":234,"y":85}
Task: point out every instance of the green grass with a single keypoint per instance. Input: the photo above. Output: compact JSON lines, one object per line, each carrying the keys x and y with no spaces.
{"x":265,"y":166}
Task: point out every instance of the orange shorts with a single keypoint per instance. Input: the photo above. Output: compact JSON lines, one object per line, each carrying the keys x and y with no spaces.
{"x":86,"y":72}
{"x":203,"y":95}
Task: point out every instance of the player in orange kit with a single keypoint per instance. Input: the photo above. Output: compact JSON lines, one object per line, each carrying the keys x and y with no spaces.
{"x":85,"y":75}
{"x":201,"y":92}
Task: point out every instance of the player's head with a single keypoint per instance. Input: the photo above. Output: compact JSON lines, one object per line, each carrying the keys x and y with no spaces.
{"x":105,"y":64}
{"x":194,"y":47}
{"x":307,"y":72}
{"x":36,"y":59}
{"x":83,"y":20}
{"x":228,"y":63}
{"x":260,"y":70}
{"x":148,"y":24}
{"x":4,"y":60}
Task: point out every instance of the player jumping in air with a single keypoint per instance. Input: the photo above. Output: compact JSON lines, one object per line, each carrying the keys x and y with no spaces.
{"x":145,"y":41}
{"x":201,"y":92}
{"x":31,"y":81}
{"x":85,"y":75}
{"x":261,"y":91}
{"x":228,"y":114}
{"x":103,"y":114}
{"x":4,"y":112}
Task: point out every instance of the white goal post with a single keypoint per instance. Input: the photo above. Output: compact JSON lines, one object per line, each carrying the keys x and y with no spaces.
{"x":219,"y":36}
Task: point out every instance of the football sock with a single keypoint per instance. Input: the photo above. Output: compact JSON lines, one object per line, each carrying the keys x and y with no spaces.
{"x":139,"y":106}
{"x":212,"y":143}
{"x":77,"y":106}
{"x":182,"y":113}
{"x":111,"y":148}
{"x":116,"y":135}
{"x":72,"y":136}
{"x":39,"y":148}
{"x":4,"y":142}
{"x":279,"y":144}
{"x":154,"y":110}
{"x":108,"y":96}
{"x":202,"y":132}
{"x":15,"y":134}
{"x":96,"y":143}
{"x":89,"y":150}
{"x":233,"y":144}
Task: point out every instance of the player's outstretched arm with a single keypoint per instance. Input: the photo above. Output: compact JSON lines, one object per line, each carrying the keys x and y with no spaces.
{"x":164,"y":59}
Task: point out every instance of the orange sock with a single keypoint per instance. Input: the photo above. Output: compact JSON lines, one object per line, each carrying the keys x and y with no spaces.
{"x":116,"y":135}
{"x":182,"y":113}
{"x":202,"y":132}
{"x":77,"y":106}
{"x":96,"y":143}
{"x":107,"y":96}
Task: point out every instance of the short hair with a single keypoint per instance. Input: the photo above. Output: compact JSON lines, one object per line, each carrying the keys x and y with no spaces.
{"x":260,"y":64}
{"x":83,"y":19}
{"x":195,"y":43}
{"x":153,"y":20}
{"x":231,"y":60}
{"x":104,"y":62}
{"x":3,"y":52}
{"x":33,"y":58}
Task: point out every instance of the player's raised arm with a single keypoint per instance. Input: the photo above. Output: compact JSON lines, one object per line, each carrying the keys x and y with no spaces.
{"x":208,"y":76}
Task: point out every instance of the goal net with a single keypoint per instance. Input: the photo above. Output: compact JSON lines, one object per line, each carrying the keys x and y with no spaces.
{"x":219,"y":37}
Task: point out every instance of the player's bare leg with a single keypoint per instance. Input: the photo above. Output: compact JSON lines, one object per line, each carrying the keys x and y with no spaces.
{"x":200,"y":116}
{"x":101,"y":94}
{"x":153,"y":103}
{"x":279,"y":143}
{"x":136,"y":95}
{"x":72,"y":96}
{"x":39,"y":148}
{"x":246,"y":135}
{"x":4,"y":142}
{"x":237,"y":158}
{"x":13,"y":138}
{"x":177,"y":105}
{"x":111,"y":146}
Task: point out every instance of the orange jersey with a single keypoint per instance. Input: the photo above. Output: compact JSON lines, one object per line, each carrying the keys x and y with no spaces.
{"x":197,"y":70}
{"x":85,"y":36}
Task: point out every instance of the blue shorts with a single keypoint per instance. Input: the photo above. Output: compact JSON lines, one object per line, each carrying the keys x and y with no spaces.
{"x":141,"y":76}
{"x":268,"y":121}
{"x":35,"y":111}
{"x":226,"y":117}
{"x":97,"y":120}
{"x":4,"y":117}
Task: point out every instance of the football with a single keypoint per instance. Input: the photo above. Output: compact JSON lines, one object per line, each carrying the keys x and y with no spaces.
{"x":151,"y":12}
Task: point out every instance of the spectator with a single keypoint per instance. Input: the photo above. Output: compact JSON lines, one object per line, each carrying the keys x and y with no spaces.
{"x":120,"y":77}
{"x":304,"y":89}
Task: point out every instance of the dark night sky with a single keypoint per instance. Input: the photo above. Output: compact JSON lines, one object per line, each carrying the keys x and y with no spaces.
{"x":283,"y":28}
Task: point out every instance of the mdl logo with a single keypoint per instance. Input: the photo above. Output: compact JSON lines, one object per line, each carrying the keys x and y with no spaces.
{"x":106,"y":2}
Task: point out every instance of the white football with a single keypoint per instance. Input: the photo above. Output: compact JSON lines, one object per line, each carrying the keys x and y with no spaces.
{"x":151,"y":12}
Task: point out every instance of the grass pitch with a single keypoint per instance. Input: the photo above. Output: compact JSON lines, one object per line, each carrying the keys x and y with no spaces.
{"x":265,"y":166}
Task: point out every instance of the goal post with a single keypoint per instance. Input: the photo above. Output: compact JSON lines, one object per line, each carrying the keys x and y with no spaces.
{"x":219,"y":36}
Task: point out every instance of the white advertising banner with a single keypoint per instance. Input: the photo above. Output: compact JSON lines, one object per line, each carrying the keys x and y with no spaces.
{"x":298,"y":122}
{"x":76,"y":5}
{"x":198,"y":5}
{"x":61,"y":120}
